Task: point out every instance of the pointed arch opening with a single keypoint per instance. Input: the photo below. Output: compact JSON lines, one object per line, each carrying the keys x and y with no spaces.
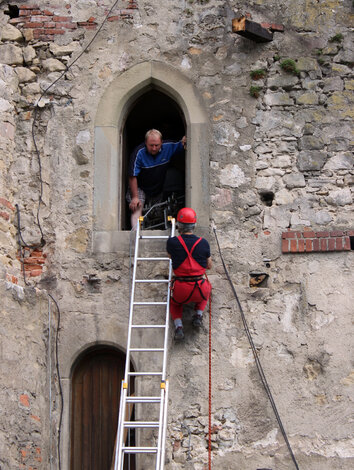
{"x":150,"y":83}
{"x":95,"y":394}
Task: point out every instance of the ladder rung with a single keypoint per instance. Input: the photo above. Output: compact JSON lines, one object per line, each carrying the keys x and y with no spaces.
{"x":148,"y":326}
{"x":143,"y":399}
{"x":152,"y":280}
{"x":153,"y":259}
{"x":147,"y":349}
{"x":157,"y":237}
{"x":149,"y":303}
{"x":144,"y":373}
{"x":141,"y":424}
{"x":139,"y":450}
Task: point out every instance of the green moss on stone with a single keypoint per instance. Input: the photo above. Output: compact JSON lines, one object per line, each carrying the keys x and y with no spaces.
{"x":336,"y":38}
{"x":255,"y":90}
{"x":289,"y":66}
{"x":257,"y":74}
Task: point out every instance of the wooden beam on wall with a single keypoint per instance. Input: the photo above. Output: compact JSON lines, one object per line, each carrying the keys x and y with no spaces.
{"x":251,"y":30}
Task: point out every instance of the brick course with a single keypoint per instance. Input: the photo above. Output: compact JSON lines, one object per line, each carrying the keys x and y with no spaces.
{"x":33,"y":261}
{"x":310,"y":241}
{"x":44,"y":24}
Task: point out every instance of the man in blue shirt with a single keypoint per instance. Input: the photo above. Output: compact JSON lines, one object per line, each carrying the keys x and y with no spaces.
{"x":147,"y":170}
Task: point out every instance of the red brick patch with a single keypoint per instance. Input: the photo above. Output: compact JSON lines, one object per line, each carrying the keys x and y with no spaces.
{"x":11,"y":278}
{"x":308,"y":246}
{"x":33,"y":25}
{"x":331,"y":244}
{"x":33,"y":261}
{"x":310,"y":241}
{"x":24,"y":400}
{"x":29,"y":7}
{"x":62,"y":19}
{"x":132,"y":5}
{"x":285,"y":246}
{"x":5,"y":203}
{"x":4,"y":215}
{"x":273,"y":27}
{"x":309,"y":234}
{"x":45,"y":24}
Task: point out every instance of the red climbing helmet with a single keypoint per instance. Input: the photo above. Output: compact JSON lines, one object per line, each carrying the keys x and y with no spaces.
{"x":187,"y":216}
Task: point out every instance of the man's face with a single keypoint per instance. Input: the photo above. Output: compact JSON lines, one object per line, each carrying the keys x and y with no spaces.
{"x":153,"y":144}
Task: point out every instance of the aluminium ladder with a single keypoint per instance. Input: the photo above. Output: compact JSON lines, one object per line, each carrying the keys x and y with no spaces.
{"x":160,"y":397}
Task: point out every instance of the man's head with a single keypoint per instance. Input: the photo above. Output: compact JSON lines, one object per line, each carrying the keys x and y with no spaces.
{"x":153,"y":141}
{"x":186,"y":220}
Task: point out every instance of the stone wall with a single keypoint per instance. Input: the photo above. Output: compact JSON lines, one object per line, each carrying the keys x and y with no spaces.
{"x":280,"y":164}
{"x":24,"y":391}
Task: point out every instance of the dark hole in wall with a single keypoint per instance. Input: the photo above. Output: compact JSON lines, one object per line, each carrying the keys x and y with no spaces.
{"x":267,"y":198}
{"x":258,"y":280}
{"x":351,"y":243}
{"x":153,"y":110}
{"x":13,"y":11}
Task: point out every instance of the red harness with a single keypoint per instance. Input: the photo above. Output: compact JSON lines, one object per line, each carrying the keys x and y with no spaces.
{"x":189,"y":271}
{"x":189,"y":267}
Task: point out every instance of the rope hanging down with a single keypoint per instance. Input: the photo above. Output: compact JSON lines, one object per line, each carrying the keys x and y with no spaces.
{"x":256,"y":358}
{"x":58,"y":378}
{"x":209,"y":414}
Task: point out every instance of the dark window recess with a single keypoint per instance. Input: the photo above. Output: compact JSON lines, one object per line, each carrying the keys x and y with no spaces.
{"x":267,"y":198}
{"x":351,"y":243}
{"x":155,"y":110}
{"x":13,"y":11}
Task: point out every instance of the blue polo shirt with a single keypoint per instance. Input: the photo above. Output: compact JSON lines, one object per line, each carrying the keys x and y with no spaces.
{"x":178,"y":254}
{"x":151,"y":169}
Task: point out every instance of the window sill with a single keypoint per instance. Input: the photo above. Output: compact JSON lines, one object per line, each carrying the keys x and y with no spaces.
{"x":119,"y":241}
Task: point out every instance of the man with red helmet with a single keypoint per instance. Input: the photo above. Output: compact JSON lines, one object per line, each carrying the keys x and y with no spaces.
{"x":190,"y":258}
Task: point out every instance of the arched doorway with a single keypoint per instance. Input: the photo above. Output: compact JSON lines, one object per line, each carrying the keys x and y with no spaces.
{"x":95,"y":395}
{"x":154,"y":110}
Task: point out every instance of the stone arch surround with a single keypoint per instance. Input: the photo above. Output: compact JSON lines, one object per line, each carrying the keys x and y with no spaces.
{"x":110,"y":119}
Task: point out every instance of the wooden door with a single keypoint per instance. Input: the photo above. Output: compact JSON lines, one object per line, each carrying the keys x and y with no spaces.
{"x":95,"y":398}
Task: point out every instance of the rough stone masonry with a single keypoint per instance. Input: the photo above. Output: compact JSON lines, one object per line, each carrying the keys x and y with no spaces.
{"x":275,"y":169}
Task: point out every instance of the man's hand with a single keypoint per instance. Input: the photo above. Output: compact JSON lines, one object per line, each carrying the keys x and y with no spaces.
{"x":135,"y":204}
{"x":184,"y":142}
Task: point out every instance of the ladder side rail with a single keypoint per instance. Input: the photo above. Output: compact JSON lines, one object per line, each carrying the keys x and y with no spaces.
{"x":160,"y":431}
{"x":167,"y":320}
{"x":163,"y":404}
{"x":127,"y":358}
{"x":118,"y":464}
{"x":162,"y":425}
{"x":164,"y":428}
{"x":131,"y":306}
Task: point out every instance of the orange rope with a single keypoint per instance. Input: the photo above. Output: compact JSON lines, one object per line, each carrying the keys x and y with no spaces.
{"x":209,"y":436}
